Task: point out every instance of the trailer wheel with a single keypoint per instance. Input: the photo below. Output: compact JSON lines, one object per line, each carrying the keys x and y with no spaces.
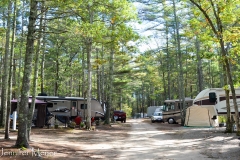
{"x":171,"y":121}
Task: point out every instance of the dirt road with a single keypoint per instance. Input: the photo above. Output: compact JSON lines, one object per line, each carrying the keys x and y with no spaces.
{"x":138,"y":139}
{"x":149,"y":143}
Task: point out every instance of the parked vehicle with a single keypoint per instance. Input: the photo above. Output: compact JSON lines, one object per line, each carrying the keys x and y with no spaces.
{"x":68,"y":108}
{"x":119,"y":116}
{"x":216,"y":97}
{"x":172,"y":110}
{"x":157,"y":117}
{"x":152,"y":109}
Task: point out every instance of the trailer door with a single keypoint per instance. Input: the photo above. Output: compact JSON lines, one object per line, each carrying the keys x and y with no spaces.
{"x":74,"y":108}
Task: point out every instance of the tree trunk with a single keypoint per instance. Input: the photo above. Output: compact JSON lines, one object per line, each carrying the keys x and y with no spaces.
{"x":229,"y":124}
{"x":229,"y":75}
{"x":181,"y":80}
{"x":22,"y":139}
{"x":110,"y":83}
{"x":89,"y":54}
{"x":42,"y":77}
{"x":89,"y":83}
{"x":98,"y":79}
{"x":7,"y":126}
{"x":35,"y":76}
{"x":4,"y":94}
{"x":103,"y":98}
{"x":199,"y":67}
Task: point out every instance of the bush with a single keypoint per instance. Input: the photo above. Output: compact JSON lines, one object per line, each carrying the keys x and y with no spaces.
{"x":82,"y":124}
{"x":72,"y":125}
{"x":222,"y":119}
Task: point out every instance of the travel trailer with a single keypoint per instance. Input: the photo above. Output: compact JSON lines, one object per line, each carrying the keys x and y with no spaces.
{"x":216,"y":97}
{"x":172,"y":110}
{"x":71,"y":107}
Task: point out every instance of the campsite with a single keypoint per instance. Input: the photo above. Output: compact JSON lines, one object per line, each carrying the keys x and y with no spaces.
{"x":135,"y":139}
{"x":78,"y":79}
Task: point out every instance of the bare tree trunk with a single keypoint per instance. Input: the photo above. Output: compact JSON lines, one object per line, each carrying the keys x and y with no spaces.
{"x":22,"y":138}
{"x":98,"y":80}
{"x":43,"y":54}
{"x":229,"y":124}
{"x":7,"y":126}
{"x":89,"y":54}
{"x":83,"y":74}
{"x":20,"y":63}
{"x":199,"y":67}
{"x":181,"y":80}
{"x":102,"y":82}
{"x":35,"y":76}
{"x":4,"y":94}
{"x":110,"y":83}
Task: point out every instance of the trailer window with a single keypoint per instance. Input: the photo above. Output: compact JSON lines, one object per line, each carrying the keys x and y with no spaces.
{"x":74,"y":104}
{"x":83,"y":106}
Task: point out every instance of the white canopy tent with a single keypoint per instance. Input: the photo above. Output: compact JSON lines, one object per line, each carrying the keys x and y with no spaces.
{"x":200,"y":116}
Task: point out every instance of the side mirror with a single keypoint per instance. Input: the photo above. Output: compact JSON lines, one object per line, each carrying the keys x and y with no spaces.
{"x":212,"y":97}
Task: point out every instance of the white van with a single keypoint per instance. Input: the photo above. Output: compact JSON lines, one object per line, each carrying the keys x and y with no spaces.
{"x":157,"y":117}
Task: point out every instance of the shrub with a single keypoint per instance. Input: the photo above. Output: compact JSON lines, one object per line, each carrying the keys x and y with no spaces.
{"x":222,"y":119}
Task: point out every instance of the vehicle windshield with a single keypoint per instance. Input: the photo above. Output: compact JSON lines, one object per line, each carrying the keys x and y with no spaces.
{"x":157,"y":114}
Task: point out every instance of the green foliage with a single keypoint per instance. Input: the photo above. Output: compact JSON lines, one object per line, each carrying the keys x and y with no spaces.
{"x":127,"y":109}
{"x":222,"y":119}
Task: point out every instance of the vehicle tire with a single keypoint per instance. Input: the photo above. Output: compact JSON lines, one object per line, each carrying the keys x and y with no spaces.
{"x":124,"y":120}
{"x":153,"y":121}
{"x":171,"y":121}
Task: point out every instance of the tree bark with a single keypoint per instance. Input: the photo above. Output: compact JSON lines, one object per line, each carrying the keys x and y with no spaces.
{"x":22,"y":138}
{"x":181,"y":80}
{"x":7,"y":126}
{"x":199,"y":66}
{"x":89,"y":54}
{"x":4,"y":94}
{"x":35,"y":76}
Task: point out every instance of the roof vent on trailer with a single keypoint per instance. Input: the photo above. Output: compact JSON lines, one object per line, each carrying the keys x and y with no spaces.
{"x":212,"y":97}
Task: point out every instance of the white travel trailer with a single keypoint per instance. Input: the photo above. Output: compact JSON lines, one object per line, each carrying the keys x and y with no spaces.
{"x":217,"y":98}
{"x":72,"y":107}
